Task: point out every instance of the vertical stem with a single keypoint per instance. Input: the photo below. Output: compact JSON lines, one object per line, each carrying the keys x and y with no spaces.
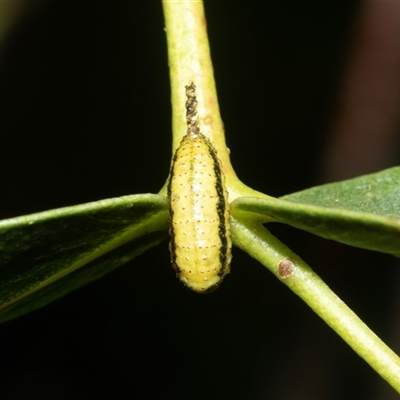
{"x":190,"y":61}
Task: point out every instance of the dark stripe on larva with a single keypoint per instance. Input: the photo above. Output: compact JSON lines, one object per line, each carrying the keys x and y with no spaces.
{"x":172,"y":246}
{"x":221,"y":209}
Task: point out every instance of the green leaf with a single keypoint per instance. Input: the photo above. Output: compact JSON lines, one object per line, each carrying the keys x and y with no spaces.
{"x":60,"y":250}
{"x":362,"y":212}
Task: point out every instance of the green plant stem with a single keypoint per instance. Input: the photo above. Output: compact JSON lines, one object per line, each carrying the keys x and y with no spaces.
{"x":253,"y":238}
{"x":190,"y":61}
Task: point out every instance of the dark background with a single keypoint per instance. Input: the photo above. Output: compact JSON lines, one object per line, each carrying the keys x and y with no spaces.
{"x":85,"y":115}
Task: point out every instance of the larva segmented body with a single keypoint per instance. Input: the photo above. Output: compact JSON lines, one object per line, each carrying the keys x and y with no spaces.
{"x":199,"y":210}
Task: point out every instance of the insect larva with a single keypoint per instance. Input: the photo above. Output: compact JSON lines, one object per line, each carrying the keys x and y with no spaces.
{"x":200,"y":243}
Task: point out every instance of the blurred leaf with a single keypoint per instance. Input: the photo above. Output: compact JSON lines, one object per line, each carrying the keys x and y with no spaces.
{"x":362,"y":212}
{"x":60,"y":250}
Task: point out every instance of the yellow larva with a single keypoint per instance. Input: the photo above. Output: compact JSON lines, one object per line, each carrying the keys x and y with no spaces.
{"x":199,"y":210}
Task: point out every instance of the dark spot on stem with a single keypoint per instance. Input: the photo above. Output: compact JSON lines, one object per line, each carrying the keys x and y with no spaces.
{"x":286,"y":269}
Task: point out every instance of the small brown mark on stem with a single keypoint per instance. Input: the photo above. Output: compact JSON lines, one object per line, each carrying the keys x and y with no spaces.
{"x":286,"y":268}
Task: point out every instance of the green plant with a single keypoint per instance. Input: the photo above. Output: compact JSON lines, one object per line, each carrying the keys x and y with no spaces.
{"x":102,"y":235}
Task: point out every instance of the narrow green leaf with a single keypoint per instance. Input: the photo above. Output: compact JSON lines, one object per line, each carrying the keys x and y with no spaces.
{"x":362,"y":212}
{"x":60,"y":250}
{"x":377,"y":193}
